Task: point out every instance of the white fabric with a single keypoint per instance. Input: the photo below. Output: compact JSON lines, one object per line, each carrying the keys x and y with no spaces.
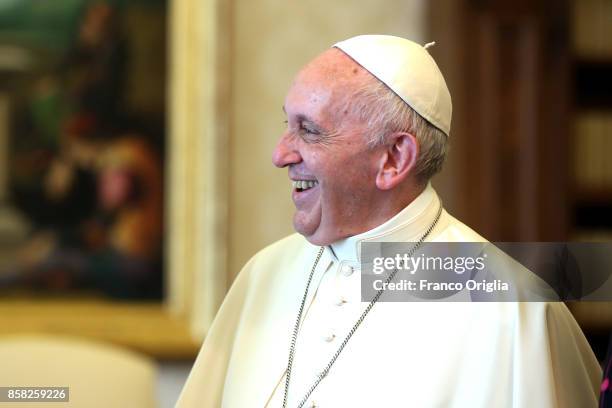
{"x":408,"y":69}
{"x":476,"y":355}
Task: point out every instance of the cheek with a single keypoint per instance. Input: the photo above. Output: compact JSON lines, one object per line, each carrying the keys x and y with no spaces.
{"x":347,"y":190}
{"x":353,"y":174}
{"x":345,"y":168}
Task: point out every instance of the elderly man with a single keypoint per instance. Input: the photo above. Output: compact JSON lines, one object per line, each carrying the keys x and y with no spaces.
{"x":367,"y":127}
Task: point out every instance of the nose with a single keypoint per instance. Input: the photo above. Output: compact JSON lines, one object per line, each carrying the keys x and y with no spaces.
{"x":285,"y":152}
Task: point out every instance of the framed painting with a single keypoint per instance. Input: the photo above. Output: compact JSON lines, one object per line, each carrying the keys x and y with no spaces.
{"x":112,"y":200}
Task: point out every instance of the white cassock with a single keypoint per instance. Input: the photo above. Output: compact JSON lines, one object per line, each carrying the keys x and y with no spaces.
{"x":418,"y":355}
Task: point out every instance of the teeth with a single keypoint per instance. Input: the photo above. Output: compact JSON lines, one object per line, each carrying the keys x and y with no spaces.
{"x":304,"y":184}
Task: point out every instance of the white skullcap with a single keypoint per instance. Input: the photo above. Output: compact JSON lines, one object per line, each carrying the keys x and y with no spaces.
{"x":408,"y":69}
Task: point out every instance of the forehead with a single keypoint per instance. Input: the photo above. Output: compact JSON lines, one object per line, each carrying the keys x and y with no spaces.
{"x":332,"y":68}
{"x":328,"y":82}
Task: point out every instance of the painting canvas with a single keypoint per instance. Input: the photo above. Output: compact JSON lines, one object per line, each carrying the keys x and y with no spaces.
{"x":82,"y":141}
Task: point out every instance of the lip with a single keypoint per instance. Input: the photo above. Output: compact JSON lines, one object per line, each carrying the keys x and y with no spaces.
{"x":302,"y":178}
{"x":302,"y":197}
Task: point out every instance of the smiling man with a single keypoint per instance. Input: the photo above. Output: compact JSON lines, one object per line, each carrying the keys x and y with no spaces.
{"x":367,"y":127}
{"x":329,"y":145}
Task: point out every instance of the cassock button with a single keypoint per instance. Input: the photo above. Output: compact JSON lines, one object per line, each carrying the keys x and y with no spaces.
{"x":329,"y":338}
{"x":347,"y":270}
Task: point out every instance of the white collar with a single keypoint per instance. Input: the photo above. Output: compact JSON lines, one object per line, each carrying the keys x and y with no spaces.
{"x":407,"y":225}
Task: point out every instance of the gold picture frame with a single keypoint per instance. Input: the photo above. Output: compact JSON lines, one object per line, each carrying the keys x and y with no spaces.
{"x":196,"y":206}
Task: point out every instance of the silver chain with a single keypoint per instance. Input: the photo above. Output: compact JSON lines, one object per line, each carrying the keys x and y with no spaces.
{"x":361,"y":318}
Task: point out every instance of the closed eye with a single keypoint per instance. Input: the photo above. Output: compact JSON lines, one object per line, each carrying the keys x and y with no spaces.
{"x":310,"y":130}
{"x":307,"y":130}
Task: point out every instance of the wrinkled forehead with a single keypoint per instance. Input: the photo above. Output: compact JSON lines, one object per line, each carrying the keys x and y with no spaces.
{"x":327,"y":87}
{"x":333,"y":66}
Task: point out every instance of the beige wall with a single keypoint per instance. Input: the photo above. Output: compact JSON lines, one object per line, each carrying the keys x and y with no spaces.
{"x":271,"y":40}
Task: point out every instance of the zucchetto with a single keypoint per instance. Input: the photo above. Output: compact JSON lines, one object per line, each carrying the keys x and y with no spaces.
{"x":408,"y":70}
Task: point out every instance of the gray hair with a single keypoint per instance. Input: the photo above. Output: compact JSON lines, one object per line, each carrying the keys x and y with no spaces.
{"x":385,"y":113}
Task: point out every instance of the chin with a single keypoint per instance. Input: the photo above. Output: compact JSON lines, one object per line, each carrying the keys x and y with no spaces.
{"x":310,"y":234}
{"x":315,"y":240}
{"x":312,"y":229}
{"x":315,"y":236}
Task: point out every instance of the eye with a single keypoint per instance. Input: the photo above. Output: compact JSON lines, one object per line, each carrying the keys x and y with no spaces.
{"x":308,"y":130}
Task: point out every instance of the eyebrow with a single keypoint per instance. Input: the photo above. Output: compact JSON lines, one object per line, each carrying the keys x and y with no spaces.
{"x":305,"y":119}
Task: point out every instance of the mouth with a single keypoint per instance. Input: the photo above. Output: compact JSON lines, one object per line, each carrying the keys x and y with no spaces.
{"x":304,"y":185}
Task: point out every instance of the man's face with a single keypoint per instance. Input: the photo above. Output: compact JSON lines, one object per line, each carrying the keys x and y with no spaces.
{"x":326,"y":151}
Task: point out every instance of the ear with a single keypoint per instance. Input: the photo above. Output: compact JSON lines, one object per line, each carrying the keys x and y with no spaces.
{"x":397,"y":161}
